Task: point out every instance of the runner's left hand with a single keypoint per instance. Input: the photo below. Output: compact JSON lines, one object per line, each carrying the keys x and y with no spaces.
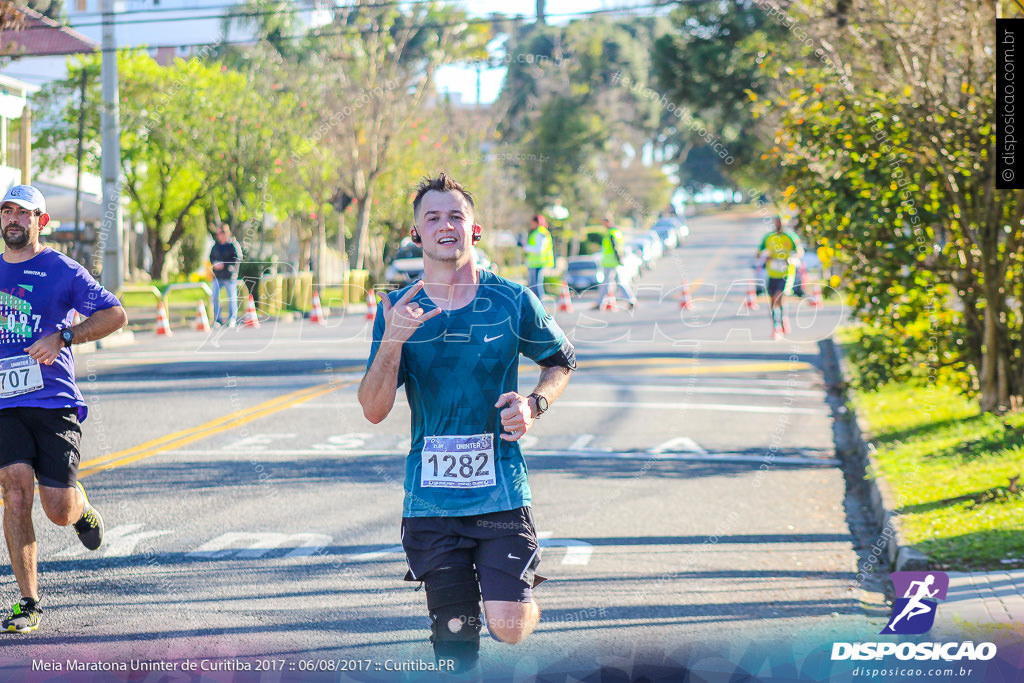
{"x":516,"y":418}
{"x":46,"y":349}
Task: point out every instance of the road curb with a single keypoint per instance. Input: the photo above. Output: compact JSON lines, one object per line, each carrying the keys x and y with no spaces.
{"x":856,"y":453}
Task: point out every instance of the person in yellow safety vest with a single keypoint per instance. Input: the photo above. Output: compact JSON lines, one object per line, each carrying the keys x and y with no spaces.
{"x":782,"y":251}
{"x":612,"y":254}
{"x":540,"y":254}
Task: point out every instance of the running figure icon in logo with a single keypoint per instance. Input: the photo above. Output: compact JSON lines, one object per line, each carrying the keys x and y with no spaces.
{"x":914,"y":613}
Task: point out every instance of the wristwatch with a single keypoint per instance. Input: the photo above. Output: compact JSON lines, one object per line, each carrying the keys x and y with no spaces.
{"x":67,"y":335}
{"x":541,"y":403}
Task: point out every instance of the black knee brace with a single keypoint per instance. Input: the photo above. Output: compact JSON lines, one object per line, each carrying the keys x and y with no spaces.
{"x":453,"y":599}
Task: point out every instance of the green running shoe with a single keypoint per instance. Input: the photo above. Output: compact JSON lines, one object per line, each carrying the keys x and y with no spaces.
{"x":24,"y":618}
{"x":90,"y":526}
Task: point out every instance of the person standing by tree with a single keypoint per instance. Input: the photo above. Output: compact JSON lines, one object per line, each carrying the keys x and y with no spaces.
{"x":225,"y":257}
{"x":41,"y":407}
{"x":540,"y":254}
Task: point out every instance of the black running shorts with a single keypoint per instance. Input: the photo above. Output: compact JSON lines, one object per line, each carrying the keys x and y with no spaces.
{"x":48,"y":439}
{"x":776,"y":285}
{"x":501,"y":545}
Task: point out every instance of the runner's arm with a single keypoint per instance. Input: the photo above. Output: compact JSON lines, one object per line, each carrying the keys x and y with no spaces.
{"x":517,"y":410}
{"x":98,"y":325}
{"x":380,"y":383}
{"x":400,"y":322}
{"x":551,"y":384}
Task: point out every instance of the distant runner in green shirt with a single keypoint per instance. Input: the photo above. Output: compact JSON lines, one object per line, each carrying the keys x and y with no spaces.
{"x":454,"y":340}
{"x":781,"y":251}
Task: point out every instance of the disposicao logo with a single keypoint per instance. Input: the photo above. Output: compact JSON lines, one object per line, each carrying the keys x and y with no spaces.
{"x":914,"y":613}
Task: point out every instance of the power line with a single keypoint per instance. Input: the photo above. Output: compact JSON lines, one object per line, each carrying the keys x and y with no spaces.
{"x":157,"y":10}
{"x":316,"y":34}
{"x":297,"y":10}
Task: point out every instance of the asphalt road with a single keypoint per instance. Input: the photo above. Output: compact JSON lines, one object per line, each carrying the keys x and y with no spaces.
{"x":684,"y":488}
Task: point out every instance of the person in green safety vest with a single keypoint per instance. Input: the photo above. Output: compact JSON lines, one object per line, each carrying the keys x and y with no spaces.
{"x":612,"y":255}
{"x":540,"y":254}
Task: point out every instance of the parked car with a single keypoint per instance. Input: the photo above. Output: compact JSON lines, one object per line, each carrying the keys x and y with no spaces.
{"x":668,"y":232}
{"x":632,"y":264}
{"x":671,"y":224}
{"x":407,"y":265}
{"x":646,"y":248}
{"x":583,"y":273}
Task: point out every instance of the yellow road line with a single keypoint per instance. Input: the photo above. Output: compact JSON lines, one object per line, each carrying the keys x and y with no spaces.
{"x":769,"y":366}
{"x":671,"y":366}
{"x":662,"y":360}
{"x":221,"y":424}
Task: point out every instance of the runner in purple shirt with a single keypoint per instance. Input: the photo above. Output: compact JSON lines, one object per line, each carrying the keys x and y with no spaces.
{"x":40,"y":404}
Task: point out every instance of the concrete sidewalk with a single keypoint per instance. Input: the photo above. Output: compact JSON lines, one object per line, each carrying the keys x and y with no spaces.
{"x":982,"y":598}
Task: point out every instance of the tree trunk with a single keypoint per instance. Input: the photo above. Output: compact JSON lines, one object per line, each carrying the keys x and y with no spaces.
{"x":159,"y":253}
{"x":321,"y":251}
{"x":991,"y":401}
{"x":357,"y":246}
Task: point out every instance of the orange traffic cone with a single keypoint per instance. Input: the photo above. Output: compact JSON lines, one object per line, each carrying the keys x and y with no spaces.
{"x":751,"y":300}
{"x":684,"y":301}
{"x":163,"y":326}
{"x":565,"y":299}
{"x":371,"y":305}
{"x":816,"y":296}
{"x":316,"y":316}
{"x":202,"y":320}
{"x":608,"y":302}
{"x":250,"y":319}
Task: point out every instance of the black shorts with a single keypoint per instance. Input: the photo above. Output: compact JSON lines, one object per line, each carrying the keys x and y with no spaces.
{"x":501,"y":545}
{"x":48,"y":439}
{"x":776,"y":285}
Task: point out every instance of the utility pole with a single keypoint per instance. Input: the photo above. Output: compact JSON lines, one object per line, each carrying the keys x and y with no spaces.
{"x":540,"y":12}
{"x":78,"y":173}
{"x":110,"y":238}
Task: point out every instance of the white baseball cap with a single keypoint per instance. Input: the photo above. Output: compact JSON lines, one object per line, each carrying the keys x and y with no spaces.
{"x":25,"y":196}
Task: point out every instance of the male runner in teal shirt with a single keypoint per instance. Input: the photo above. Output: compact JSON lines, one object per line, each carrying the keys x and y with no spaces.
{"x":454,"y":341}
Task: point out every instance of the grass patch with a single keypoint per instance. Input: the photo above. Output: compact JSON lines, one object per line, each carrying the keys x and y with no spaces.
{"x":933,"y":446}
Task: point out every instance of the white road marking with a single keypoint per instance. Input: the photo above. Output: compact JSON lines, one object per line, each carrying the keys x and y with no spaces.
{"x":679,"y":444}
{"x":688,"y":457}
{"x":118,"y":541}
{"x":781,"y":392}
{"x":342,"y":442}
{"x":256,"y":442}
{"x":724,"y":407}
{"x":377,"y":554}
{"x":576,"y":552}
{"x":581,"y":442}
{"x":260,"y":543}
{"x":589,"y":454}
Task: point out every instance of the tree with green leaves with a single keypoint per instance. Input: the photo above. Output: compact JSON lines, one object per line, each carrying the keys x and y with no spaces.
{"x":193,"y":134}
{"x":373,"y":74}
{"x":706,"y":66}
{"x":568,"y":98}
{"x":880,"y":128}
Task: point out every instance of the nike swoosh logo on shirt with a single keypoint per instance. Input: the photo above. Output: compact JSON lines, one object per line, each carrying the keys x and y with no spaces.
{"x":512,"y":557}
{"x":490,"y":339}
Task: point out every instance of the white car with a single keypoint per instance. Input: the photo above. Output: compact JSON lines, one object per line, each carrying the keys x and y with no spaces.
{"x":407,"y":265}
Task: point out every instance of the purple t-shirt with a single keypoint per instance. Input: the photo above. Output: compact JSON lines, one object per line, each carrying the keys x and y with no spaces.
{"x":39,"y":297}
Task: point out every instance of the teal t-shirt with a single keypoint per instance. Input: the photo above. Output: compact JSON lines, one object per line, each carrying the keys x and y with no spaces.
{"x":454,"y":368}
